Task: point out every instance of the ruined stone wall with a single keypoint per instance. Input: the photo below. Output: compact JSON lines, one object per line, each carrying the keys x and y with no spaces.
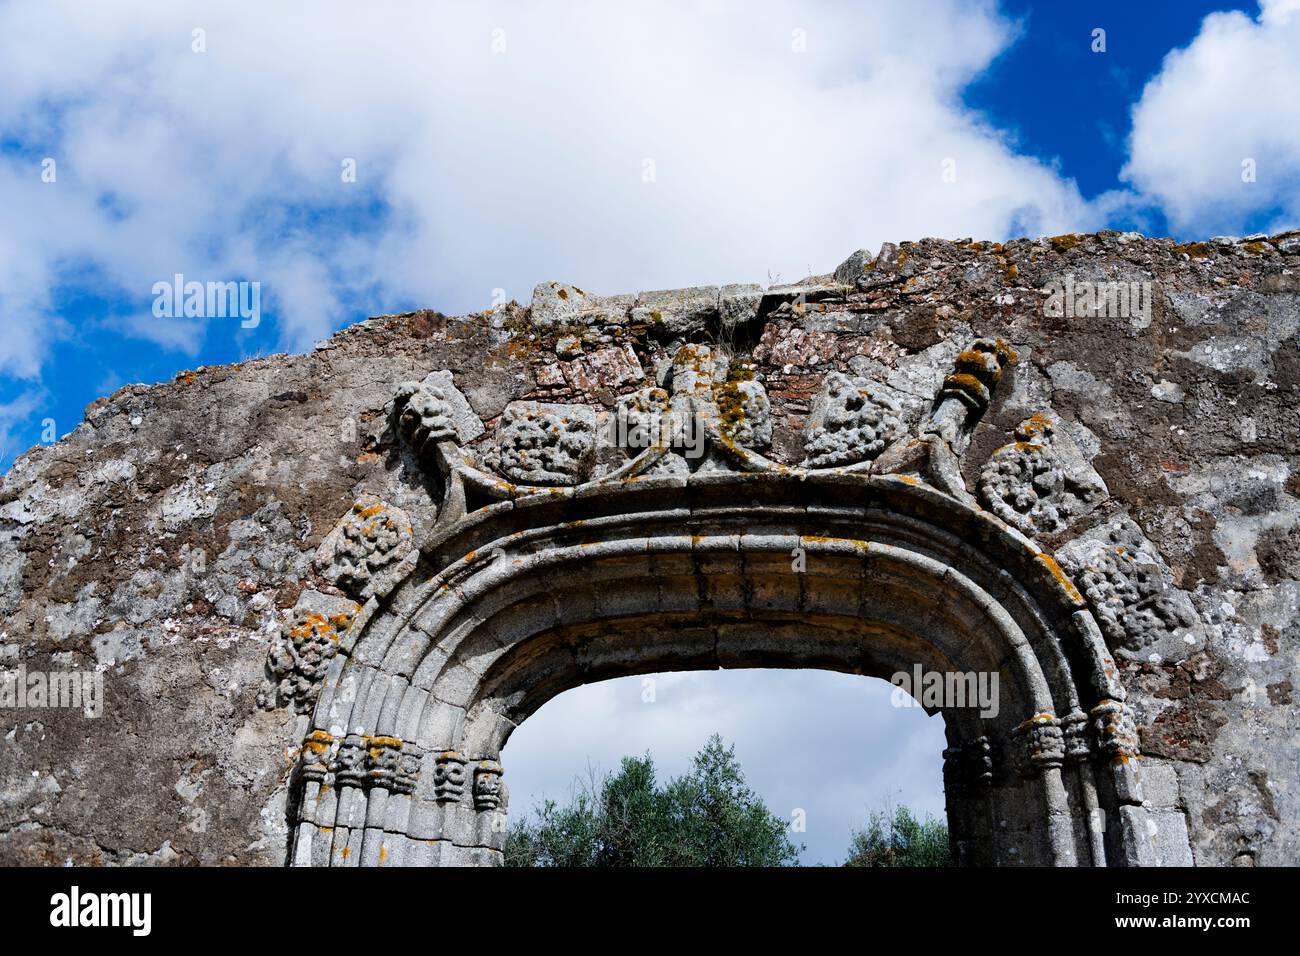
{"x":205,"y":543}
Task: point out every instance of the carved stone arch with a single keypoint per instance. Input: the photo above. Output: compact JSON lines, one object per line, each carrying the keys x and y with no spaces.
{"x":516,"y":599}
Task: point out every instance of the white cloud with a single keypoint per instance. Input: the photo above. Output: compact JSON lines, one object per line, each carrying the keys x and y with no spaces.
{"x":1228,"y":97}
{"x":496,"y":169}
{"x":829,"y":744}
{"x":15,"y":414}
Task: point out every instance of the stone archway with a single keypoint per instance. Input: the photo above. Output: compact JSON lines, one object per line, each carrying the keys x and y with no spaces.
{"x":545,"y":572}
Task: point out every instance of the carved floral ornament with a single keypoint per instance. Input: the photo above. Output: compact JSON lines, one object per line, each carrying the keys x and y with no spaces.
{"x":702,"y":427}
{"x":1041,"y":483}
{"x":705,"y":413}
{"x":709,"y":414}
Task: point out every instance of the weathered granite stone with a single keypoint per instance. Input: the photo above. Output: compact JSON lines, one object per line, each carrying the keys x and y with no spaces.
{"x":847,"y":272}
{"x":197,"y":543}
{"x":1042,"y":483}
{"x":853,"y":420}
{"x":544,"y":444}
{"x":556,"y":303}
{"x":677,"y":311}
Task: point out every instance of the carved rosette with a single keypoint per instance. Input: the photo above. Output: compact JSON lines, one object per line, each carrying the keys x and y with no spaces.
{"x":1130,"y":590}
{"x":544,"y":444}
{"x":853,"y":420}
{"x":372,"y":536}
{"x":300,"y":656}
{"x":487,"y":784}
{"x":1041,"y":483}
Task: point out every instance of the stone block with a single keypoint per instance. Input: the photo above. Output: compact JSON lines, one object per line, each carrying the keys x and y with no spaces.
{"x":677,"y":311}
{"x":1159,"y":783}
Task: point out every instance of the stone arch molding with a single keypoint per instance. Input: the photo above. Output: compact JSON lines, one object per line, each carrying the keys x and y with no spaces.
{"x":575,"y":544}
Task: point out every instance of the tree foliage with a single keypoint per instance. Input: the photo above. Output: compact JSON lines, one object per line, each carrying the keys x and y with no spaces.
{"x":899,"y":839}
{"x":707,"y":817}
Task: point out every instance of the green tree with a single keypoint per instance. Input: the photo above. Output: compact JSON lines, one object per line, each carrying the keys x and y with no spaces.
{"x":706,"y":817}
{"x":899,"y":839}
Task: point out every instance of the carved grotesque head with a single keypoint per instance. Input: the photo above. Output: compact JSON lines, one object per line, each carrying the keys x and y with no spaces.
{"x":350,"y":762}
{"x":424,"y":417}
{"x":487,"y":785}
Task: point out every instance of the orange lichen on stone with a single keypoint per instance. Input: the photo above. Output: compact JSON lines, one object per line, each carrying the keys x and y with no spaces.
{"x":317,"y":742}
{"x":965,"y":381}
{"x":1062,"y":578}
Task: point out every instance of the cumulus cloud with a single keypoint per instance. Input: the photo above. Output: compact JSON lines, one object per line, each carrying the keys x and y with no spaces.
{"x":495,"y":145}
{"x":1223,"y":106}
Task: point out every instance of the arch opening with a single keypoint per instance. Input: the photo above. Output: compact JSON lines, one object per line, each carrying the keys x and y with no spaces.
{"x":528,"y":598}
{"x":822,"y":751}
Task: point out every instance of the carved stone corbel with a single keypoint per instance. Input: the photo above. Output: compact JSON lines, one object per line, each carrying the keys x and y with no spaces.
{"x":488,"y":785}
{"x":1044,"y":741}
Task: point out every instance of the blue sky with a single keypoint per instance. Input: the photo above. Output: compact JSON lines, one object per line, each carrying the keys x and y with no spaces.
{"x":621,"y":146}
{"x":1064,"y":102}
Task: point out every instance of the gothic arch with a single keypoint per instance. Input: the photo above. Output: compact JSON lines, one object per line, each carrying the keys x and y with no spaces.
{"x":528,"y":588}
